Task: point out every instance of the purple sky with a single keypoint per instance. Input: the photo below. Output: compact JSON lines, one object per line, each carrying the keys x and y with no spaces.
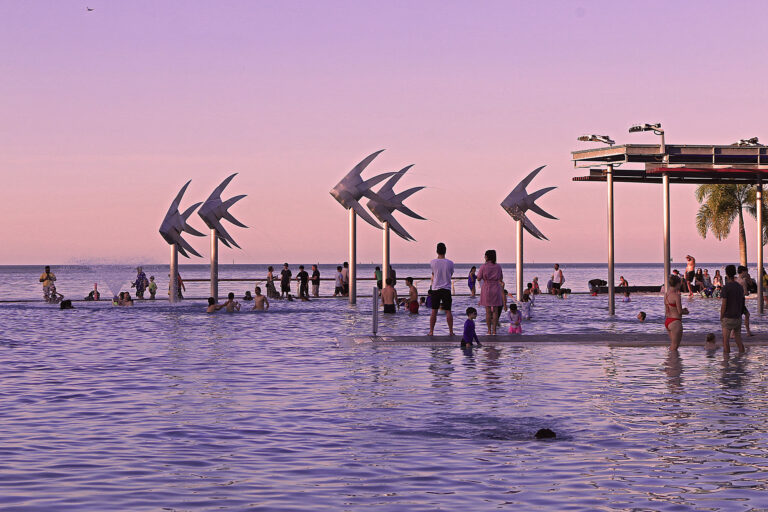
{"x":105,"y":115}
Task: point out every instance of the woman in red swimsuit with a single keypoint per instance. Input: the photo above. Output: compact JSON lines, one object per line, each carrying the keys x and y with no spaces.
{"x":673,"y":311}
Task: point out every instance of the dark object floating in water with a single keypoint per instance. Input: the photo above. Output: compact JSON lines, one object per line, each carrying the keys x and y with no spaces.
{"x":545,"y":433}
{"x":66,"y":304}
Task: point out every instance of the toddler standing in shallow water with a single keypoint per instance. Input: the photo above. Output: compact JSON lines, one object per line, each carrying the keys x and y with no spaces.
{"x":515,"y":319}
{"x":469,"y":328}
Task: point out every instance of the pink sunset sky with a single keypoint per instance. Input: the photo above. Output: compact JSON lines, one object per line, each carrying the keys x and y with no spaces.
{"x":106,"y":114}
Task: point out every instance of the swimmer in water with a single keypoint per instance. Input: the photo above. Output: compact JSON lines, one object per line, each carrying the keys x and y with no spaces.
{"x":231,"y":305}
{"x":212,"y":306}
{"x":389,"y":296}
{"x":260,"y":302}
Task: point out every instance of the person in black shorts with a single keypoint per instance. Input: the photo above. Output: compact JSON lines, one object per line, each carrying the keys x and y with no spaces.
{"x":442,"y":272}
{"x":303,"y":278}
{"x":285,"y":281}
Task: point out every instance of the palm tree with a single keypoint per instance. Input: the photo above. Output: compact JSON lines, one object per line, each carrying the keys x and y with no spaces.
{"x":720,"y":206}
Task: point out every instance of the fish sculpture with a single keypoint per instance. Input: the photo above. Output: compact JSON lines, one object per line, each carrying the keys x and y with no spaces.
{"x":175,"y":223}
{"x":214,"y":209}
{"x":383,"y":210}
{"x":352,"y":188}
{"x":518,"y":202}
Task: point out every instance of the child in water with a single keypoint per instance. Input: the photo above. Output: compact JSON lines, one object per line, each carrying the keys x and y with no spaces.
{"x":260,"y":302}
{"x":527,"y":303}
{"x":152,"y":287}
{"x":231,"y":305}
{"x":212,"y":306}
{"x":469,"y":329}
{"x":54,"y":297}
{"x":626,"y":296}
{"x":515,"y":319}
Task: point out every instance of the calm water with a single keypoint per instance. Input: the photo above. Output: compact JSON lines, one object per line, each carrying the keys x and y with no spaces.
{"x":162,"y":407}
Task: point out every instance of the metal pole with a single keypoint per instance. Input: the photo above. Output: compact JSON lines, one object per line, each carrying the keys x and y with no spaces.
{"x":352,"y":256}
{"x":611,"y":261}
{"x":375,"y":297}
{"x":667,"y":251}
{"x":385,"y":255}
{"x":174,"y":289}
{"x":760,"y":291}
{"x":519,"y":261}
{"x":214,"y":265}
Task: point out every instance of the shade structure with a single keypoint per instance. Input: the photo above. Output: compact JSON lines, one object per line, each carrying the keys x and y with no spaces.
{"x":692,"y":164}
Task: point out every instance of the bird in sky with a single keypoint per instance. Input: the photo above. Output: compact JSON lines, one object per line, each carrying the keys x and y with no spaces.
{"x":89,"y":9}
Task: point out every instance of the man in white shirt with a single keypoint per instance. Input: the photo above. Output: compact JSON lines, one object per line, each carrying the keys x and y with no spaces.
{"x":557,"y":279}
{"x":442,"y":271}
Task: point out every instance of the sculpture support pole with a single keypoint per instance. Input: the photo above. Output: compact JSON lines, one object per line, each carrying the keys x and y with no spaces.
{"x":352,"y":257}
{"x":667,"y":250}
{"x":519,"y":261}
{"x":174,"y":283}
{"x":385,"y":255}
{"x":760,"y":291}
{"x":611,"y":289}
{"x":214,"y":265}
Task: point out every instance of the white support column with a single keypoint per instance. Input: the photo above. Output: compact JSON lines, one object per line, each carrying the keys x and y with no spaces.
{"x":385,"y":255}
{"x":352,"y":256}
{"x":214,"y":265}
{"x":760,"y":291}
{"x":611,"y":280}
{"x":519,"y":261}
{"x":667,"y":249}
{"x":174,"y":270}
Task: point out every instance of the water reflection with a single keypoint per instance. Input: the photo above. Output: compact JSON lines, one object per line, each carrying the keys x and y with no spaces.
{"x":673,"y":368}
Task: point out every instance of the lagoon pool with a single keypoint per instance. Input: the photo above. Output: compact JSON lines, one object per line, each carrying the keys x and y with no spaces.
{"x":165,"y":408}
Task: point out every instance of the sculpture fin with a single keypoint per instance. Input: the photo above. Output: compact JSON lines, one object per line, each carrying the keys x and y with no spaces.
{"x":404,"y":209}
{"x":359,"y":168}
{"x":185,"y":245}
{"x":367,"y":184}
{"x":520,"y":188}
{"x":229,"y":216}
{"x":218,"y":190}
{"x":399,"y":230}
{"x":528,"y":225}
{"x":387,"y":189}
{"x":364,"y":214}
{"x":537,"y":209}
{"x":177,"y":201}
{"x":189,"y":211}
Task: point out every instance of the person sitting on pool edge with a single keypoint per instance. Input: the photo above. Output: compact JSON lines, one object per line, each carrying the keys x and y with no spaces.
{"x":389,"y":296}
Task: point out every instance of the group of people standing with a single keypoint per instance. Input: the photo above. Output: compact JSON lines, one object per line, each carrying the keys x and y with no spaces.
{"x":732,"y":292}
{"x":303,"y":278}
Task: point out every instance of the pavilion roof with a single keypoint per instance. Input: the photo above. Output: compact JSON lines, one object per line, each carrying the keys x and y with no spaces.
{"x":693,"y":164}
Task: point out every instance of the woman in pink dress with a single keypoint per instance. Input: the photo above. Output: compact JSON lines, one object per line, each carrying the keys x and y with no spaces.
{"x":490,"y":277}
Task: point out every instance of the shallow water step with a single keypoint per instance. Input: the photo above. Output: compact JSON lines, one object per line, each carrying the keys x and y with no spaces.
{"x":605,"y":338}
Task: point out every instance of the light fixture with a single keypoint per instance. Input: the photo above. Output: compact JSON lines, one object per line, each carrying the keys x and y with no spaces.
{"x":748,"y":142}
{"x":655,"y":128}
{"x":605,"y":139}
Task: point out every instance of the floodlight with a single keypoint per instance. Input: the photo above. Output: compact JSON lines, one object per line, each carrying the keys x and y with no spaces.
{"x":605,"y":139}
{"x":748,"y":142}
{"x":655,"y":128}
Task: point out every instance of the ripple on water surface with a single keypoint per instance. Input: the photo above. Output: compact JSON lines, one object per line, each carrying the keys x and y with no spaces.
{"x":165,"y":407}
